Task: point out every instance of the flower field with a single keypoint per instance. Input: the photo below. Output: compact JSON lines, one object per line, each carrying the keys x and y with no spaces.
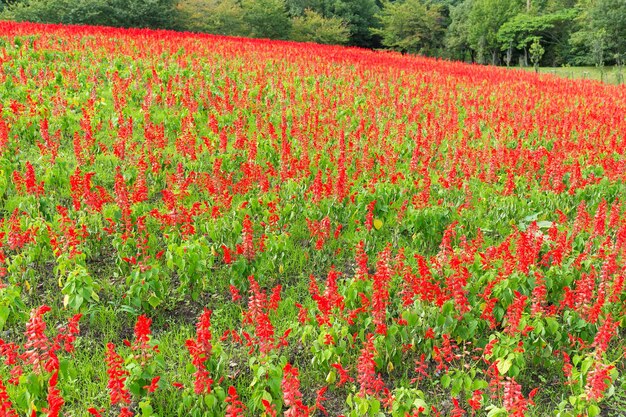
{"x":204,"y":226}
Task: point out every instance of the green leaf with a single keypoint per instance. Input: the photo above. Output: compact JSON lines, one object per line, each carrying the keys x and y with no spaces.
{"x":503,"y":366}
{"x":445,"y":381}
{"x":495,"y":411}
{"x":375,"y":406}
{"x":210,"y":400}
{"x":154,"y":301}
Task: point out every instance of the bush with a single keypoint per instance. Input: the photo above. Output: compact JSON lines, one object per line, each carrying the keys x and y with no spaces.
{"x":266,"y":18}
{"x":120,"y":13}
{"x":223,"y":17}
{"x":313,"y":27}
{"x":411,"y":26}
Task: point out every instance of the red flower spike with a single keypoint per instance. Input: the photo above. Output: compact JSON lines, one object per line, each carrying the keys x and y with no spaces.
{"x":344,"y":376}
{"x":200,"y":350}
{"x":117,"y":377}
{"x":269,"y":408}
{"x":6,"y":407}
{"x":369,"y":380}
{"x":319,"y":399}
{"x":235,"y":408}
{"x":55,"y":401}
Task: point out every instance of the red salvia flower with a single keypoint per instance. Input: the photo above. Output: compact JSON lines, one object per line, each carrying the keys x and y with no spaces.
{"x":275,"y":298}
{"x":142,"y":339}
{"x":380,"y":298}
{"x":117,"y":377}
{"x":369,"y":380}
{"x":6,"y":407}
{"x":200,"y":350}
{"x":125,"y":412}
{"x":67,"y":334}
{"x":292,"y":397}
{"x":269,"y":408}
{"x":344,"y":376}
{"x":235,"y":408}
{"x":457,"y":411}
{"x":514,"y":313}
{"x":228,"y":258}
{"x":514,"y":401}
{"x":598,"y":380}
{"x":604,"y":335}
{"x":361,"y":261}
{"x":95,"y":412}
{"x":248,"y":236}
{"x":55,"y":401}
{"x":303,"y":314}
{"x":369,"y":218}
{"x":476,"y":401}
{"x":420,"y":369}
{"x":319,"y":399}
{"x":37,"y":346}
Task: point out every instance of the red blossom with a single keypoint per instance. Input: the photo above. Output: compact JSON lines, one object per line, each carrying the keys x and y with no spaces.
{"x":369,"y":380}
{"x":200,"y":350}
{"x":319,"y":399}
{"x":235,"y":408}
{"x":55,"y":401}
{"x":598,"y":380}
{"x":117,"y":377}
{"x":6,"y":407}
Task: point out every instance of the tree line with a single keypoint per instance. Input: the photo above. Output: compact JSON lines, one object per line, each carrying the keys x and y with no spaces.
{"x":511,"y":32}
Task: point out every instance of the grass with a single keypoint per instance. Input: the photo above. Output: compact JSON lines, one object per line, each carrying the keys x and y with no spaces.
{"x":609,"y":74}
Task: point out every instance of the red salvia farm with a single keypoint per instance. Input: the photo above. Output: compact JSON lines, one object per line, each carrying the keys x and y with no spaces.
{"x":197,"y":225}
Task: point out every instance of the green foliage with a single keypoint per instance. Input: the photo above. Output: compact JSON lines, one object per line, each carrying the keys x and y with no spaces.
{"x":143,"y":13}
{"x":524,"y":28}
{"x":411,"y":26}
{"x":601,"y":31}
{"x":485,"y":20}
{"x":457,"y":35}
{"x":313,"y":27}
{"x":223,"y":17}
{"x":360,"y":16}
{"x":119,"y":13}
{"x":520,"y":31}
{"x":536,"y":52}
{"x":266,"y":18}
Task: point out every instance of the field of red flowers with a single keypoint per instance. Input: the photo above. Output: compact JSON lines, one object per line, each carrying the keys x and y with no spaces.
{"x":204,"y":226}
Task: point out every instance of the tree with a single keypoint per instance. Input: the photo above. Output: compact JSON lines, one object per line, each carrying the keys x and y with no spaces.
{"x":120,"y":13}
{"x":59,"y":11}
{"x":222,"y":17}
{"x":456,"y":39}
{"x":601,"y":31}
{"x":485,"y":20}
{"x":360,"y":15}
{"x":266,"y":18}
{"x":608,"y":18}
{"x":144,"y":13}
{"x":298,"y":7}
{"x":521,"y":30}
{"x":313,"y":27}
{"x":411,"y":26}
{"x":536,"y":53}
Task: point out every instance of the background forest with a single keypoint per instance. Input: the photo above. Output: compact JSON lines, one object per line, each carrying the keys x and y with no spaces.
{"x":498,"y":32}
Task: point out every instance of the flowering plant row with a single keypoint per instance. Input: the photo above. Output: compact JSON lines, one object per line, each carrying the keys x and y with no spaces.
{"x":303,"y":230}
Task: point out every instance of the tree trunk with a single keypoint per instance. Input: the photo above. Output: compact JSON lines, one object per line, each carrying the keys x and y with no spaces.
{"x":525,"y":57}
